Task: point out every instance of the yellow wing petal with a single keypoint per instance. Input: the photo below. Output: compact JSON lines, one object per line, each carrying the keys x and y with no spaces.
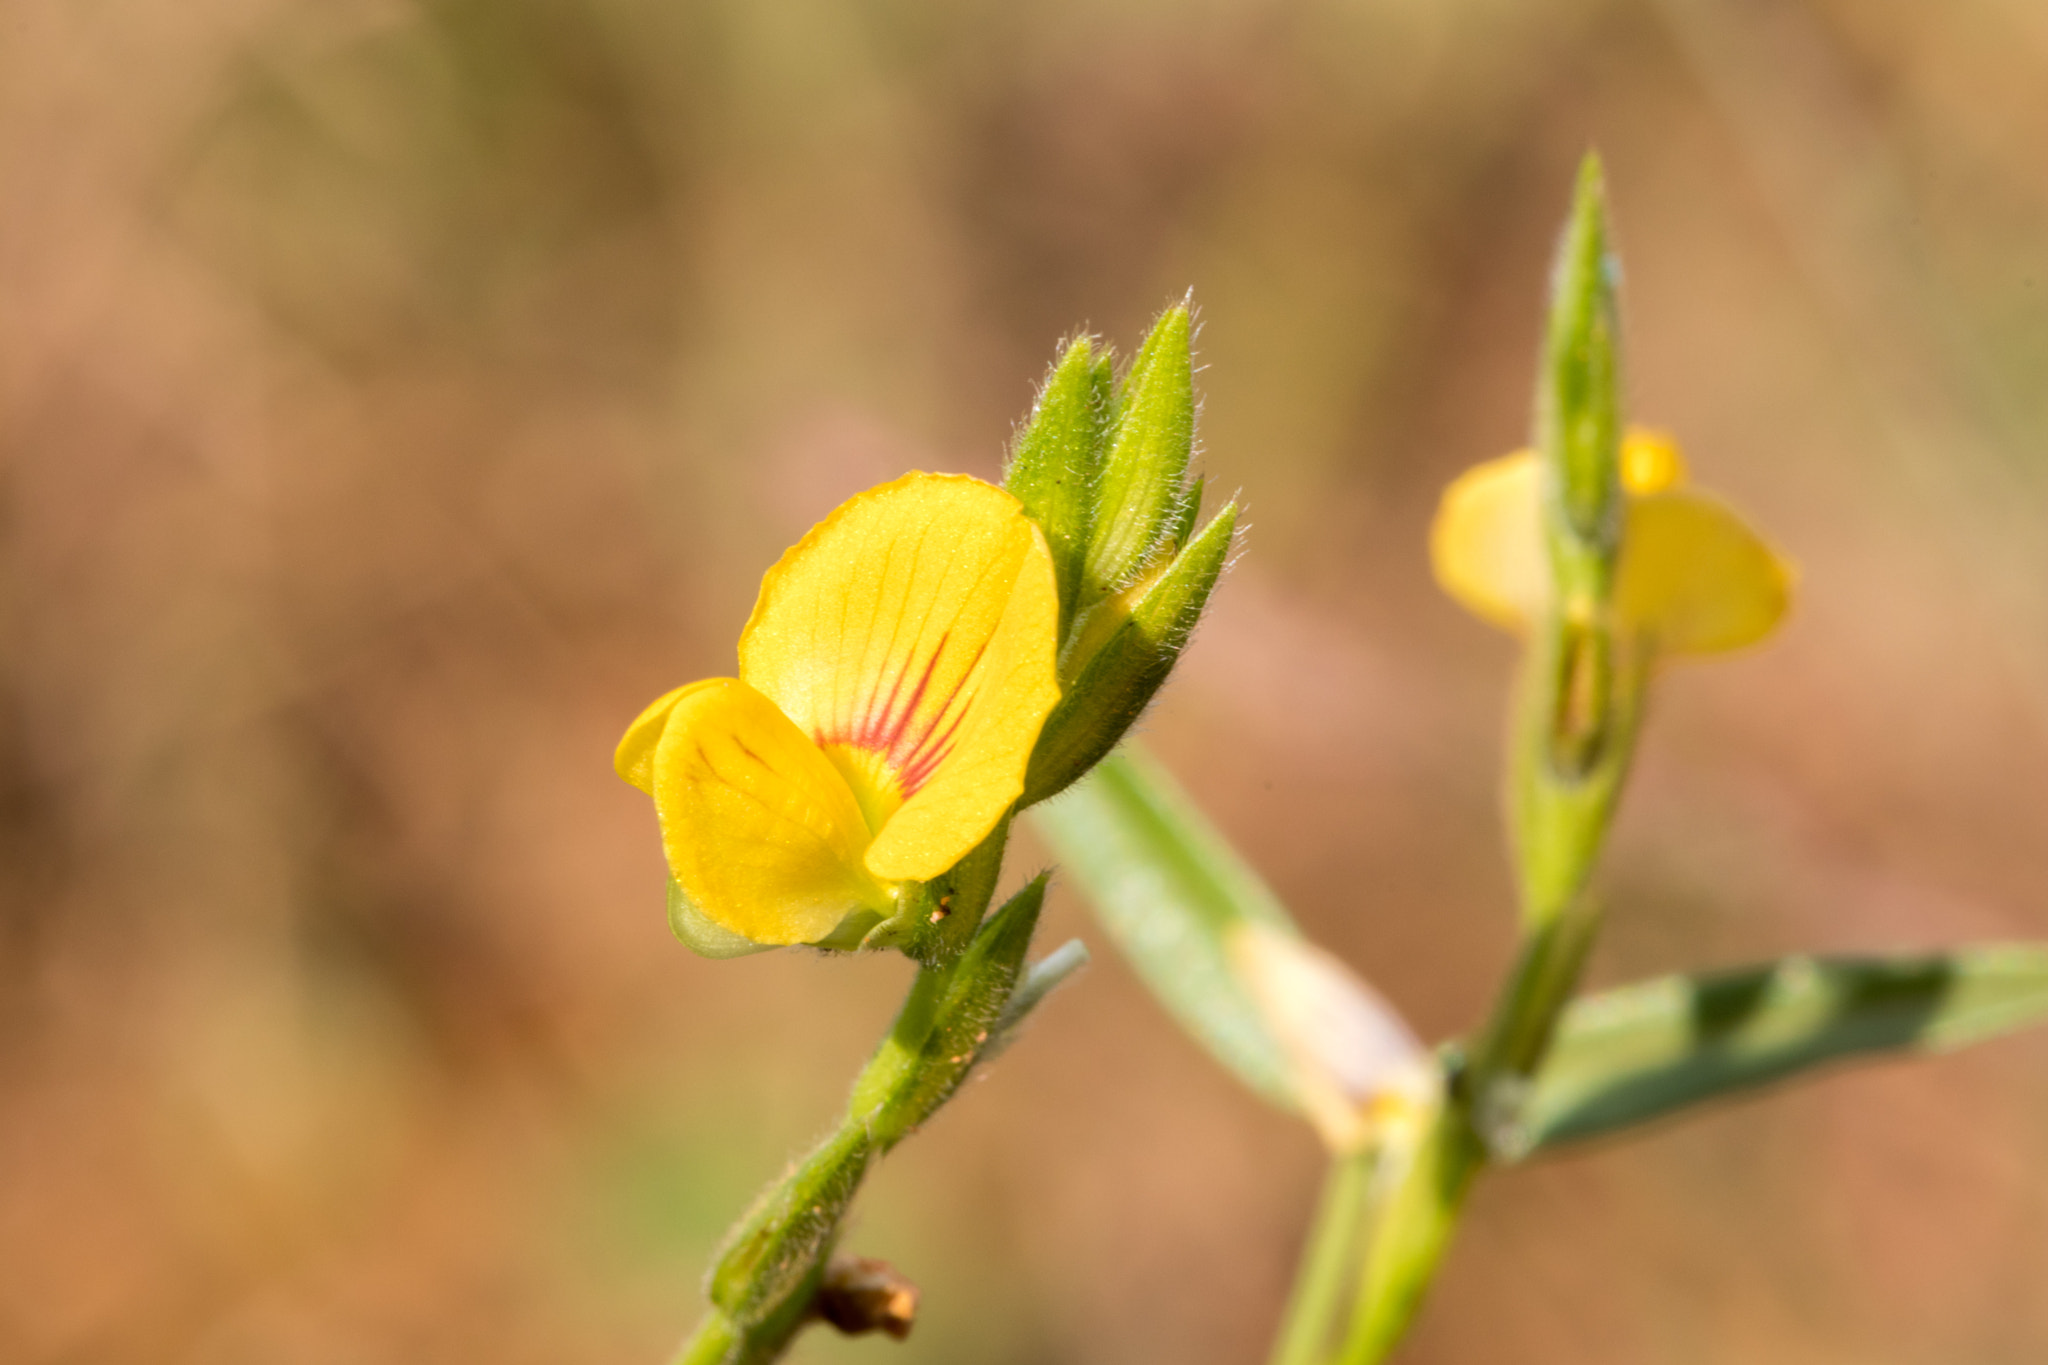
{"x":1694,"y":578}
{"x":1487,"y":542}
{"x":913,"y":635}
{"x":634,"y":758}
{"x":761,"y":832}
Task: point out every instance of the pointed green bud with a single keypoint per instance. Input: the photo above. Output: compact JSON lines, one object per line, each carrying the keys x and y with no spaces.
{"x":1056,"y":459}
{"x":1120,"y":656}
{"x":1578,"y":407}
{"x":962,"y":1021}
{"x":1140,"y":487}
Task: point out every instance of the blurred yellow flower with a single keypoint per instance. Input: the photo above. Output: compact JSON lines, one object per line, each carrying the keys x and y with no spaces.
{"x":893,"y":678}
{"x":1693,"y":576}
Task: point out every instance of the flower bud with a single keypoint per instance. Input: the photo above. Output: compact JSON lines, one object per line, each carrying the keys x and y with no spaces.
{"x":1360,"y":1076}
{"x":1140,"y":491}
{"x":1119,"y":656}
{"x":1578,"y":416}
{"x":1056,"y":460}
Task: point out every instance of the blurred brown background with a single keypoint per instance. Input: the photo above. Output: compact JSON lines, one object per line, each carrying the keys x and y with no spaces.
{"x":396,"y":394}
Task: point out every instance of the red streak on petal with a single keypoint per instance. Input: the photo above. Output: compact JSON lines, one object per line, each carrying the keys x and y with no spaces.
{"x":912,"y":754}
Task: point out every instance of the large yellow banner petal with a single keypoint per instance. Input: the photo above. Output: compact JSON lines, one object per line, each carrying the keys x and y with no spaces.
{"x":761,"y":832}
{"x":913,"y":635}
{"x":966,"y":783}
{"x":1694,"y":578}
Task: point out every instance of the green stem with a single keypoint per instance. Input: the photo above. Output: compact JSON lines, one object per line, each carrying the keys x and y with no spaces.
{"x":1328,"y":1262}
{"x":1578,"y":707}
{"x":1420,"y":1207}
{"x":711,"y":1344}
{"x":1563,"y":804}
{"x":767,"y":1274}
{"x":897,"y":1059}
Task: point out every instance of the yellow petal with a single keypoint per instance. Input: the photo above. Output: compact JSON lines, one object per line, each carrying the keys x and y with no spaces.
{"x":1487,"y":543}
{"x":634,"y":758}
{"x":762,"y":834}
{"x":1694,"y":578}
{"x":1651,"y":461}
{"x":913,"y":635}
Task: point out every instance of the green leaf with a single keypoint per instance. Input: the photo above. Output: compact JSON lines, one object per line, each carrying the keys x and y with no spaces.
{"x":1148,"y":458}
{"x":1169,"y":890}
{"x":1040,"y":979}
{"x":1627,"y":1056}
{"x":1056,"y":460}
{"x":1122,"y":654}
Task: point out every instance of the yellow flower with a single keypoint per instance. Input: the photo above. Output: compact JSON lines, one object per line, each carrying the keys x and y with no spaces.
{"x":893,"y":678}
{"x":1693,"y":577}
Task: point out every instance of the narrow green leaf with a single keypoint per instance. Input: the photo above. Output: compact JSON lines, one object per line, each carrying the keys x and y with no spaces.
{"x":1056,"y":460}
{"x":1040,"y":979}
{"x":1628,"y":1056}
{"x":1148,"y":458}
{"x":1139,"y":644}
{"x":1169,"y":890}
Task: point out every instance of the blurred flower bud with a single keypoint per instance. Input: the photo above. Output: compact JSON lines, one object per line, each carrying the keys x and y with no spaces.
{"x":1360,"y":1075}
{"x":1578,"y":413}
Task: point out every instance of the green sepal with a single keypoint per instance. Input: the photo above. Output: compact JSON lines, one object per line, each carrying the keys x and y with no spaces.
{"x":1629,"y":1056}
{"x":700,"y":934}
{"x":705,"y":937}
{"x":1170,"y":891}
{"x":936,"y":920}
{"x":1186,"y":510}
{"x":1578,"y":406}
{"x":939,"y":1038}
{"x":1056,"y":460}
{"x":1149,"y":452}
{"x":1111,"y":683}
